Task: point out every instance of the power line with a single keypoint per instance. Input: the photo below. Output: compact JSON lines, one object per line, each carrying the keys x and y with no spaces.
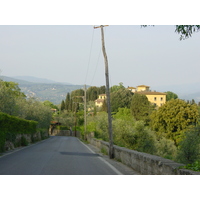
{"x":96,"y":67}
{"x":89,"y":56}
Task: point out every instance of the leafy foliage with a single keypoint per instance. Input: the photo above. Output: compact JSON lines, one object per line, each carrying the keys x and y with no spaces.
{"x":115,"y":88}
{"x":173,"y":118}
{"x":123,"y":124}
{"x":93,"y":92}
{"x":194,"y":166}
{"x":32,"y":109}
{"x":189,"y":148}
{"x":11,"y":126}
{"x":50,"y":104}
{"x":145,"y":140}
{"x":141,"y":108}
{"x":166,"y":148}
{"x":171,"y":95}
{"x":99,"y":125}
{"x":9,"y":92}
{"x":186,"y":31}
{"x":120,"y":99}
{"x":13,"y":102}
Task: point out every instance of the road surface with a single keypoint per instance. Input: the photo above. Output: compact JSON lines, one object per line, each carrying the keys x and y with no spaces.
{"x":58,"y":155}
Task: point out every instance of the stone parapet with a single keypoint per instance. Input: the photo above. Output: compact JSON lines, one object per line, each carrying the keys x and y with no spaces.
{"x":143,"y":163}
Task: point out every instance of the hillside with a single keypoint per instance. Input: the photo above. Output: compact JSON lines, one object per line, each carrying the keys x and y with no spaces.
{"x":54,"y":92}
{"x":37,"y":80}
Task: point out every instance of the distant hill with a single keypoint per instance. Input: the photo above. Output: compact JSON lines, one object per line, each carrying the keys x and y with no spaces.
{"x":37,"y":80}
{"x":54,"y":92}
{"x":6,"y":78}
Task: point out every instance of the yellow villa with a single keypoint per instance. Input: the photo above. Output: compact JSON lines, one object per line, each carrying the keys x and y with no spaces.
{"x":156,"y":98}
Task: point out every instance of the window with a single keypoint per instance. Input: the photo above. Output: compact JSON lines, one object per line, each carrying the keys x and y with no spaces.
{"x":155,"y":98}
{"x":161,"y":98}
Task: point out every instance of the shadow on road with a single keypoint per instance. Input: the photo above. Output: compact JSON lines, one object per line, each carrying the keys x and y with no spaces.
{"x":79,"y":154}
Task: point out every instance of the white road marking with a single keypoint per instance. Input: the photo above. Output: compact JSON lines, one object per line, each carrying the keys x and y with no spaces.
{"x":113,"y":168}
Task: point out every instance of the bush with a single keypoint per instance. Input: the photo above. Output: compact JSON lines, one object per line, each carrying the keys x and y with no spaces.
{"x":24,"y":141}
{"x":12,"y":126}
{"x":189,"y":148}
{"x":166,"y":148}
{"x":145,"y":139}
{"x":123,"y":133}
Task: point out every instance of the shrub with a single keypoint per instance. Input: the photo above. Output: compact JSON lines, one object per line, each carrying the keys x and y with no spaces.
{"x":123,"y":133}
{"x":189,"y":148}
{"x":166,"y":148}
{"x":145,"y":139}
{"x":12,"y":126}
{"x":24,"y":141}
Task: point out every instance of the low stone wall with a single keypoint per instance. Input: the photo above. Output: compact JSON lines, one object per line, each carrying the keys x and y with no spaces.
{"x":143,"y":163}
{"x":9,"y":145}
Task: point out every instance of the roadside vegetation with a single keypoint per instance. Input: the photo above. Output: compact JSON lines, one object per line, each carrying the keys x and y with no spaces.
{"x":20,"y":115}
{"x":171,"y":131}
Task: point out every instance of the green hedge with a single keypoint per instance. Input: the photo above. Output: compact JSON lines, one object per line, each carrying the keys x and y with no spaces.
{"x":10,"y":126}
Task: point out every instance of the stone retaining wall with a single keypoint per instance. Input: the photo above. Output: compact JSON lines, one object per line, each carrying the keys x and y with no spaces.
{"x":143,"y":163}
{"x":9,"y":145}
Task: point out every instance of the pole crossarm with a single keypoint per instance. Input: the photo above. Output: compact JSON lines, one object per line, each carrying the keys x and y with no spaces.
{"x":100,"y":26}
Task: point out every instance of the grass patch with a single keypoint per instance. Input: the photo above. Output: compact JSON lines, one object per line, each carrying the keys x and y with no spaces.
{"x":194,"y":166}
{"x":104,"y":151}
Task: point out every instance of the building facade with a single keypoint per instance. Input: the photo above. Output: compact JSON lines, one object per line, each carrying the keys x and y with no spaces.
{"x":100,"y":100}
{"x":156,"y":98}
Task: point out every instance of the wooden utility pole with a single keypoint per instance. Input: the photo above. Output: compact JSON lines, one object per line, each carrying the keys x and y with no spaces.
{"x":85,"y":118}
{"x":111,"y":152}
{"x":75,"y":119}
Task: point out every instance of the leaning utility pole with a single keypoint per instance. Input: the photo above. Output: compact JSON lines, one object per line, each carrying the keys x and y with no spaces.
{"x":111,"y":152}
{"x":85,"y":118}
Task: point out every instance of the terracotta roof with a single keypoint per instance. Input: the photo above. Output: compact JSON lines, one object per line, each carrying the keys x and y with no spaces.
{"x":151,"y":93}
{"x":143,"y":86}
{"x":131,"y":88}
{"x":102,"y":94}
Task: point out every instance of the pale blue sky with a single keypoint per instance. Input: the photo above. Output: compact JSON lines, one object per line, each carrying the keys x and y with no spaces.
{"x":152,"y":56}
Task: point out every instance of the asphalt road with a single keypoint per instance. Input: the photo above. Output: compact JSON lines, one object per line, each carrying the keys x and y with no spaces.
{"x":58,"y":155}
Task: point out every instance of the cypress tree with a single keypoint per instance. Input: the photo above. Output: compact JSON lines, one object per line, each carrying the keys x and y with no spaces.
{"x":62,"y":105}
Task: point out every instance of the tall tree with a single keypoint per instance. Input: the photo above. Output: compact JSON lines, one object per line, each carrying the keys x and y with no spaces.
{"x":115,"y":88}
{"x":171,"y":95}
{"x":102,"y":89}
{"x":92,"y":93}
{"x":104,"y":106}
{"x":67,"y":102}
{"x":121,"y":99}
{"x":141,"y":108}
{"x":62,"y":105}
{"x":9,"y":94}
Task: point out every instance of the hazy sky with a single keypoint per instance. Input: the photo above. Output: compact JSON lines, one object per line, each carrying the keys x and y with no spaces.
{"x":66,"y":53}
